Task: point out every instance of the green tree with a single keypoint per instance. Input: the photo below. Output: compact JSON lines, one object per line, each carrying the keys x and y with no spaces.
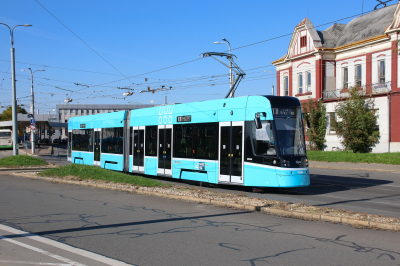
{"x":357,"y":123}
{"x":314,"y":112}
{"x":6,"y":115}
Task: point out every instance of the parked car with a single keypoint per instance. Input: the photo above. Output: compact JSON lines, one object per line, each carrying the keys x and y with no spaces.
{"x":56,"y":141}
{"x":26,"y":144}
{"x":64,"y":141}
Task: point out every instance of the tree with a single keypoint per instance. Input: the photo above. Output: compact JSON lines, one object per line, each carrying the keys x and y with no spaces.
{"x":357,"y":123}
{"x":314,"y":112}
{"x":7,"y":114}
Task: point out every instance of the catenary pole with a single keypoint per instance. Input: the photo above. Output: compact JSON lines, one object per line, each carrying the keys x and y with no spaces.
{"x":32,"y":110}
{"x":14,"y":93}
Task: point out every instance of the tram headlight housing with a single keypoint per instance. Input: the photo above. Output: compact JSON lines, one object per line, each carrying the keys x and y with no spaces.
{"x":284,"y":163}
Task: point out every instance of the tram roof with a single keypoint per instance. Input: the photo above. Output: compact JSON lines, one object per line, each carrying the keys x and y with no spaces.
{"x":220,"y":110}
{"x":106,"y":120}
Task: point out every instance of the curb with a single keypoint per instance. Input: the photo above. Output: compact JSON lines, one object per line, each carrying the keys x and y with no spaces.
{"x":270,"y":211}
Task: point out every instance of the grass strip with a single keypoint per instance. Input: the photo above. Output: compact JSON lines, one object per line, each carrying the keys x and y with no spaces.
{"x":343,"y":156}
{"x":88,"y":172}
{"x":21,"y":160}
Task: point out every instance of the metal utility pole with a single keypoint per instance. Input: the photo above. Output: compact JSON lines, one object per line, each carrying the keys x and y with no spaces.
{"x":272,"y":79}
{"x":14,"y":93}
{"x":230,"y":65}
{"x":32,"y":108}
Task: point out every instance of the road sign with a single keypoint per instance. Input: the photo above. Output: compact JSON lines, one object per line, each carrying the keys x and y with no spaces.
{"x":33,"y":126}
{"x":33,"y":121}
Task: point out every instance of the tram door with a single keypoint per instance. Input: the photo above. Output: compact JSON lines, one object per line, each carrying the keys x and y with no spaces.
{"x":97,"y":146}
{"x":69,"y":150}
{"x":165,"y":149}
{"x":231,"y":152}
{"x":138,"y":149}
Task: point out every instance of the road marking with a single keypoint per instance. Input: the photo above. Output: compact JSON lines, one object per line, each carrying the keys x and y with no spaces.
{"x":70,"y":262}
{"x":33,"y":263}
{"x":78,"y":251}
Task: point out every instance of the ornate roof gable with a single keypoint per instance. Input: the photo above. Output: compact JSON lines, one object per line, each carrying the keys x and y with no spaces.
{"x":305,"y":39}
{"x":395,"y":25}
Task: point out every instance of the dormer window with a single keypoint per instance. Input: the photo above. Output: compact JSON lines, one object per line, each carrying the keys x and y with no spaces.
{"x":303,"y":41}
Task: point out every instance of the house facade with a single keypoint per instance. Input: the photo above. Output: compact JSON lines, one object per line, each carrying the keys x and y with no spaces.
{"x":323,"y":65}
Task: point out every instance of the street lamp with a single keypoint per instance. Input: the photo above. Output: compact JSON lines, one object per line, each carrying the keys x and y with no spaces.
{"x":230,"y":64}
{"x":272,"y":81}
{"x":32,"y":106}
{"x":14,"y":93}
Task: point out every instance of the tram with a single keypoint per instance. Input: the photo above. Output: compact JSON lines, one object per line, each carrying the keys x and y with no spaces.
{"x":255,"y":141}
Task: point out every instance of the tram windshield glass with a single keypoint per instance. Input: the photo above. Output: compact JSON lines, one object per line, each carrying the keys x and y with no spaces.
{"x":289,"y":131}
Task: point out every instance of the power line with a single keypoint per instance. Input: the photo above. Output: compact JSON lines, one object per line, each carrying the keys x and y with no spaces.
{"x":82,"y":40}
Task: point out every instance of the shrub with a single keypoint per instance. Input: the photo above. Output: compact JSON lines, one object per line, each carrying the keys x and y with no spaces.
{"x":357,"y":123}
{"x":314,"y":111}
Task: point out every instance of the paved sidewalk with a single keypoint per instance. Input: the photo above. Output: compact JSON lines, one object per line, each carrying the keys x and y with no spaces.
{"x":43,"y":150}
{"x":357,"y":166}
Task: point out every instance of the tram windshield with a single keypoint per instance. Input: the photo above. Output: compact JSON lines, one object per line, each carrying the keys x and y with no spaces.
{"x":289,"y":131}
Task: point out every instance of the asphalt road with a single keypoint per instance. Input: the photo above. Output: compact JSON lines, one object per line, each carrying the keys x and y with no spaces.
{"x":355,"y":190}
{"x":145,"y":230}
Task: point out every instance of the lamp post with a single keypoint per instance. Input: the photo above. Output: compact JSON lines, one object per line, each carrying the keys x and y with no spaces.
{"x":32,"y":107}
{"x":14,"y":93}
{"x":230,"y":64}
{"x":272,"y":81}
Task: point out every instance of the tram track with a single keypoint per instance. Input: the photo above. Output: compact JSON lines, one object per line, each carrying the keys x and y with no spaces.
{"x":342,"y":190}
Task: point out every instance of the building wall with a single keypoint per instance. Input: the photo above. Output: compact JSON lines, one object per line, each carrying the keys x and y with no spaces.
{"x":304,"y":66}
{"x":380,"y":104}
{"x":382,"y":55}
{"x":350,"y":64}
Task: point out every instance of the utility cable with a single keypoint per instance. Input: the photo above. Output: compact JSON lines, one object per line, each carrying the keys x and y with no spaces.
{"x":82,"y":40}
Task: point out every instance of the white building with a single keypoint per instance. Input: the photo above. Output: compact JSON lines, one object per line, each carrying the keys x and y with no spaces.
{"x":324,"y":64}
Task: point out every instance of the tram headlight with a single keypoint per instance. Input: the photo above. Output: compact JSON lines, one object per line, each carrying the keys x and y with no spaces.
{"x":284,"y":163}
{"x":274,"y":162}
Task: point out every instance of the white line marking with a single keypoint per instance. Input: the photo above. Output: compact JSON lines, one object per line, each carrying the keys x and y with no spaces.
{"x":78,"y":251}
{"x":70,"y":262}
{"x":33,"y":263}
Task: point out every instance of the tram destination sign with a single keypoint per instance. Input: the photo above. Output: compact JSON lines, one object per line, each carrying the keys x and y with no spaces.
{"x":185,"y":118}
{"x":284,"y":112}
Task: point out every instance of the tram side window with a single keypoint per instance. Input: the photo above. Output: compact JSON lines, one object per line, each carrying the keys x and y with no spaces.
{"x":206,"y":136}
{"x":263,"y":139}
{"x":151,"y":141}
{"x":183,"y":141}
{"x":82,"y":140}
{"x":112,"y":140}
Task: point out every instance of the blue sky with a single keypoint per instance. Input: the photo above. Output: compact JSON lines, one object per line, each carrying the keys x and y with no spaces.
{"x":141,"y":37}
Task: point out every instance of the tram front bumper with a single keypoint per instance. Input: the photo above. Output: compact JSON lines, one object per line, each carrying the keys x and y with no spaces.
{"x":298,"y":177}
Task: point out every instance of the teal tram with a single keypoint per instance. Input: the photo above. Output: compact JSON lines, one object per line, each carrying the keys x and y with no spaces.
{"x":255,"y":141}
